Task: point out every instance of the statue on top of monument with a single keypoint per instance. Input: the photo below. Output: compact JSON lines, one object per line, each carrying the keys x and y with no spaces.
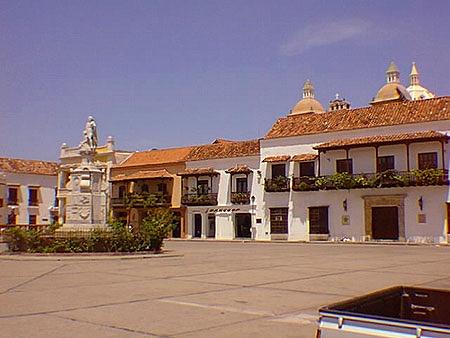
{"x":90,"y":134}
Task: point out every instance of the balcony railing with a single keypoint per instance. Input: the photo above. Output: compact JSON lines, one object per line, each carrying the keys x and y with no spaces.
{"x":141,"y":200}
{"x":199,"y":199}
{"x":279,"y":184}
{"x":386,"y":179}
{"x":304,"y":183}
{"x":33,"y":203}
{"x":12,"y":201}
{"x":240,"y":197}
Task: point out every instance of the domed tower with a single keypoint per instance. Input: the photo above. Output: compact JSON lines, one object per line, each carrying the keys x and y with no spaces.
{"x":308,"y":104}
{"x":416,"y":91}
{"x":393,"y":90}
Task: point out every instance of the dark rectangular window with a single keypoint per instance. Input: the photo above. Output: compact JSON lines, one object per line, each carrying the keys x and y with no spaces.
{"x":32,"y":219}
{"x":162,"y":188}
{"x":33,"y":197}
{"x":241,"y":184}
{"x":385,"y":163}
{"x":122,"y":191}
{"x":318,"y":220}
{"x":13,"y":195}
{"x":144,"y":188}
{"x":427,"y":161}
{"x":344,"y":166}
{"x":279,"y":220}
{"x":278,"y":170}
{"x":307,"y":169}
{"x":202,"y":187}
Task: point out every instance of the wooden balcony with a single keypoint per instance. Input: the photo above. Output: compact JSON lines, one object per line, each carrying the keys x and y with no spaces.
{"x":240,"y":197}
{"x":199,"y":199}
{"x":143,"y":199}
{"x":386,"y":179}
{"x":279,"y":184}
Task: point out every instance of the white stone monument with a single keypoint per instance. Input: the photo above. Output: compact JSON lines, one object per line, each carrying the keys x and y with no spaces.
{"x":86,"y":189}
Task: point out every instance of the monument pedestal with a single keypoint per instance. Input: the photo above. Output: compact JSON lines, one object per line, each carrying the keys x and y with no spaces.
{"x":86,"y":202}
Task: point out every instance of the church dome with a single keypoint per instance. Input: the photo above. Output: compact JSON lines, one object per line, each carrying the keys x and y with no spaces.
{"x":308,"y":104}
{"x":393,"y":90}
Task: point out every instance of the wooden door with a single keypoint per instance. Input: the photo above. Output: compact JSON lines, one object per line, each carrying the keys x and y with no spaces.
{"x":318,"y":221}
{"x":243,"y":225}
{"x":176,"y":233}
{"x":197,"y":225}
{"x":385,"y":223}
{"x":279,"y":220}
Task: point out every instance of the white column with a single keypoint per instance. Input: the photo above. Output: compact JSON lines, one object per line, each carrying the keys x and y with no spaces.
{"x":204,"y":224}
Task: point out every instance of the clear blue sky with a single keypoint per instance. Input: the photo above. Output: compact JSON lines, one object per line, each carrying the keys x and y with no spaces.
{"x":171,"y":73}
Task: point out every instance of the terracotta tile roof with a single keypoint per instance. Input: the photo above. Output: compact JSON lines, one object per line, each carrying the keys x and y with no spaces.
{"x":304,"y":157}
{"x":15,"y":165}
{"x":157,"y":156}
{"x":239,"y":169}
{"x":387,"y":114}
{"x":383,"y":139}
{"x":280,"y":158}
{"x":198,"y":172}
{"x":143,"y":174}
{"x":224,"y":149}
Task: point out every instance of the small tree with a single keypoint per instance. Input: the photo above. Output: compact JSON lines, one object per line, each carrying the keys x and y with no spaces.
{"x":158,"y":225}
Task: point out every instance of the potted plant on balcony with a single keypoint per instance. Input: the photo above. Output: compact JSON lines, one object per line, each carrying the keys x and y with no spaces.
{"x":362,"y":181}
{"x":342,"y":180}
{"x":279,"y":183}
{"x":390,"y":178}
{"x":199,"y":195}
{"x":240,"y":198}
{"x":428,"y":176}
{"x":321,"y":183}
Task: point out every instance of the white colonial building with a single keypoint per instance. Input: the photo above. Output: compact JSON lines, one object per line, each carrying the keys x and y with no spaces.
{"x":218,"y":186}
{"x":27,"y":191}
{"x":373,"y":173}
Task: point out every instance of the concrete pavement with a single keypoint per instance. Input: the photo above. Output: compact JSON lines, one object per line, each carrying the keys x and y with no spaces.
{"x":206,"y":289}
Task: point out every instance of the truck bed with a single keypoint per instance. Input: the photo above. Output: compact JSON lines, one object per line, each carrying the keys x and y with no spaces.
{"x":395,"y":312}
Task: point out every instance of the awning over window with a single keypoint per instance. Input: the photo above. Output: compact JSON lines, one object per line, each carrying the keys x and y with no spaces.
{"x":239,"y":169}
{"x":279,"y":158}
{"x":304,"y":157}
{"x":198,"y":172}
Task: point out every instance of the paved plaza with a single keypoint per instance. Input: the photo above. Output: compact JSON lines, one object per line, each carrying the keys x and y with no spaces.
{"x":205,"y":289}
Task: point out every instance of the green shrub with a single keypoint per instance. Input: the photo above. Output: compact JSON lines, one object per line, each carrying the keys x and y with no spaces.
{"x":119,"y":238}
{"x":156,"y":226}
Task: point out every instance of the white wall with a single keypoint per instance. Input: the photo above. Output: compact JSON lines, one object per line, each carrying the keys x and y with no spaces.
{"x":434,"y":207}
{"x":46,"y":185}
{"x":225,"y":210}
